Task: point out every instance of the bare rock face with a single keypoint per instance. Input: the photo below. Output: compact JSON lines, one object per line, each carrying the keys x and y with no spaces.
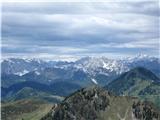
{"x":95,"y":103}
{"x":145,"y":111}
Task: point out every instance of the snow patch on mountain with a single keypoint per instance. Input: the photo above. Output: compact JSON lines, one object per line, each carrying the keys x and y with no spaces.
{"x":37,"y":73}
{"x":22,"y":73}
{"x":103,"y":65}
{"x":94,"y":81}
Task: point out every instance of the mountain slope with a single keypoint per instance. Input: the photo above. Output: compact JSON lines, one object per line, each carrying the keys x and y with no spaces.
{"x":10,"y":79}
{"x":48,"y":76}
{"x":34,"y":89}
{"x":133,"y":81}
{"x":28,"y":109}
{"x":152,"y":89}
{"x":97,"y":104}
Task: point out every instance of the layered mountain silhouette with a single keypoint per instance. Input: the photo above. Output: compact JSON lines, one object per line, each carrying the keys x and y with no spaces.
{"x":82,"y":71}
{"x":136,"y":82}
{"x":30,"y":89}
{"x":125,"y":98}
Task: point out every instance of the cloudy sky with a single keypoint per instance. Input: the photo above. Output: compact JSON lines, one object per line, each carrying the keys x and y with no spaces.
{"x":70,"y":30}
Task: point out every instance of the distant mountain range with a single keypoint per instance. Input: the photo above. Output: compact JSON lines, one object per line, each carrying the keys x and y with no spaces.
{"x":86,"y":71}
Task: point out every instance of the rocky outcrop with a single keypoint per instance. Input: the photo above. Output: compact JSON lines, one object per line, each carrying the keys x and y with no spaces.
{"x":85,"y":104}
{"x":145,"y":111}
{"x":95,"y":103}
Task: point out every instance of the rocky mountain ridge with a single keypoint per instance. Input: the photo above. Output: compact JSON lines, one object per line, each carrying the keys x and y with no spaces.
{"x":95,"y":103}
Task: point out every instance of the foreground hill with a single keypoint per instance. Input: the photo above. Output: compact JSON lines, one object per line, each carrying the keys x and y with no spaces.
{"x":97,"y":104}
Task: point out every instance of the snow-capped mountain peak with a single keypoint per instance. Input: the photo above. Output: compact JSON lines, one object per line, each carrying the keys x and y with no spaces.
{"x":89,"y":65}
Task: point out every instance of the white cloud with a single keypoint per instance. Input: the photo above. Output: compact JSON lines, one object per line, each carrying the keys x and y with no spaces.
{"x":44,"y":56}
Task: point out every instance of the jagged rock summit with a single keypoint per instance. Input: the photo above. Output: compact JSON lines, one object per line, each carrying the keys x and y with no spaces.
{"x":95,"y":103}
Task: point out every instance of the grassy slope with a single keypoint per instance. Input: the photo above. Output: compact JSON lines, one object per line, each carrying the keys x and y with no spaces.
{"x":137,"y":87}
{"x":37,"y":114}
{"x":28,"y":92}
{"x":27,"y":109}
{"x":116,"y":111}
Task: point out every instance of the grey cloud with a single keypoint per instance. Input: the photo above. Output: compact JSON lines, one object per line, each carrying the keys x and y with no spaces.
{"x":71,"y":29}
{"x":142,"y":7}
